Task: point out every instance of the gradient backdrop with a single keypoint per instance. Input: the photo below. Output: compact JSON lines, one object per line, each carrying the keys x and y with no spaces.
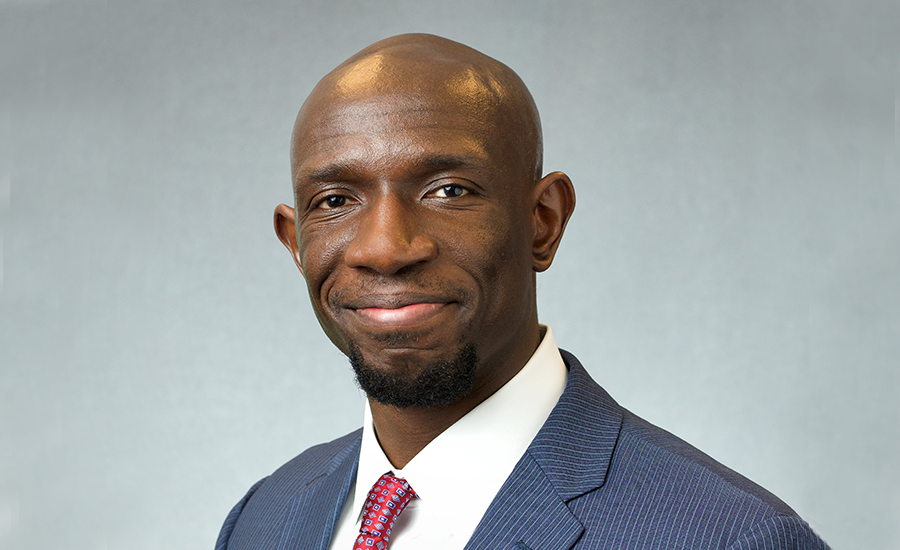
{"x":732,"y":271}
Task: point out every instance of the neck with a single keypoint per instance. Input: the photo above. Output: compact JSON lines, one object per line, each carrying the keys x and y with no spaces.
{"x":403,"y":432}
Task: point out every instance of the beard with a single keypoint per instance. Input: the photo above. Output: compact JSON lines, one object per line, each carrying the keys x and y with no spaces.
{"x":442,"y":382}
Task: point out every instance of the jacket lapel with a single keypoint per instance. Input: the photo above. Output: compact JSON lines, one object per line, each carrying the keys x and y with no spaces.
{"x":527,"y":511}
{"x":314,"y":513}
{"x":569,"y":457}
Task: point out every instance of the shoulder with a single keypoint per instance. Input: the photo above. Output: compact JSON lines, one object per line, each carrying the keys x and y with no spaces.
{"x":701,"y":500}
{"x":647,"y":452}
{"x":313,"y":463}
{"x":666,"y":493}
{"x":266,"y":501}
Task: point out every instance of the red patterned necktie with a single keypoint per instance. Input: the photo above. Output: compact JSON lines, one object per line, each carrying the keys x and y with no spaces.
{"x":388,"y":497}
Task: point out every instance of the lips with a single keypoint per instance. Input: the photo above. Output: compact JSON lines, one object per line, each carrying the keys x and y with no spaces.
{"x":401,"y":316}
{"x":397,"y":310}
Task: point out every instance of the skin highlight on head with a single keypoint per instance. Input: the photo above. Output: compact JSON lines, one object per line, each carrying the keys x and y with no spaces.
{"x":417,"y":65}
{"x":420,"y":220}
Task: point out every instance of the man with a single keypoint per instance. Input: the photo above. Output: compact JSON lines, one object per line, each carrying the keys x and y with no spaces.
{"x":421,"y":216}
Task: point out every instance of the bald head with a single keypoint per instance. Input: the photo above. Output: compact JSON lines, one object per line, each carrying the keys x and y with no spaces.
{"x":422,"y":71}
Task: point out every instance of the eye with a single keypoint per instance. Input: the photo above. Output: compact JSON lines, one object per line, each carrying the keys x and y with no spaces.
{"x":333,"y":201}
{"x":450,"y":191}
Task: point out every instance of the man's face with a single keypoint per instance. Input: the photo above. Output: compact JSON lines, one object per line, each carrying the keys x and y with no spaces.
{"x":414,"y":230}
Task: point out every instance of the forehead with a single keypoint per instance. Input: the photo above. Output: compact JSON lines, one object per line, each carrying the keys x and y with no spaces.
{"x":384,"y":127}
{"x":378,"y":108}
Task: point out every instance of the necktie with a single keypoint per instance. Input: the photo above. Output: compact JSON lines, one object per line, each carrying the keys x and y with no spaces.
{"x":388,"y":497}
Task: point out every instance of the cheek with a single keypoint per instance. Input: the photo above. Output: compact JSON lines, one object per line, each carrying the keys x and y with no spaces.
{"x":497,"y":252}
{"x":320,"y":255}
{"x":513,"y":272}
{"x":321,"y":250}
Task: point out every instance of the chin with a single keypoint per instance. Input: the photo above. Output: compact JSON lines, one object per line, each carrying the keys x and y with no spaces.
{"x":417,"y":383}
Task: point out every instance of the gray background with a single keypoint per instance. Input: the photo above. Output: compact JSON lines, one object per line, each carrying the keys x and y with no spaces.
{"x":731,"y":271}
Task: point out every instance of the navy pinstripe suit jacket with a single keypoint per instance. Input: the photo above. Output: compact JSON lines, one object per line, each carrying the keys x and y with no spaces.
{"x":595,"y":476}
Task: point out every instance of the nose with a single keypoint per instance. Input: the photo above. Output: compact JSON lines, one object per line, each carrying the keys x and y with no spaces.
{"x":389,"y":238}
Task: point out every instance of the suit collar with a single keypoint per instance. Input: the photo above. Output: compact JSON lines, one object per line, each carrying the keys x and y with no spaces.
{"x":576,"y":444}
{"x":313,"y":514}
{"x":569,"y":457}
{"x":527,"y":513}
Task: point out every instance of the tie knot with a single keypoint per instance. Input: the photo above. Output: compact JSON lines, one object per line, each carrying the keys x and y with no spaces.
{"x":387,"y":498}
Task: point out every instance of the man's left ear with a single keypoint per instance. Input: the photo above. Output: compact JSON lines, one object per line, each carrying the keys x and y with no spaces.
{"x":554,"y":201}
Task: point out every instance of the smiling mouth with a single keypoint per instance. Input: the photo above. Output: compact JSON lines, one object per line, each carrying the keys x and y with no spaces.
{"x":406,"y":315}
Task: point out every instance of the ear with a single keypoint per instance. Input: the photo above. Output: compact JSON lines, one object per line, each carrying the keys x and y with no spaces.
{"x":286,"y":230}
{"x":554,"y":201}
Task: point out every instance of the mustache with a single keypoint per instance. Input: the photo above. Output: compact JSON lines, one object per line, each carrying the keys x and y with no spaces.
{"x":396,"y":291}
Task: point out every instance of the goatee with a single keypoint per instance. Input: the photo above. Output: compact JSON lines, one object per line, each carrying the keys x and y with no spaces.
{"x":443,"y":382}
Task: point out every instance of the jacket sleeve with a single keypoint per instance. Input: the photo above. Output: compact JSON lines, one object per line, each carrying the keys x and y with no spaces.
{"x":779,"y":533}
{"x":233,"y":515}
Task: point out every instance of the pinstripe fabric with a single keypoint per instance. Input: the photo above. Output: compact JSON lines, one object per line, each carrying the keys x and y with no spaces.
{"x":298,"y":506}
{"x":596,"y":476}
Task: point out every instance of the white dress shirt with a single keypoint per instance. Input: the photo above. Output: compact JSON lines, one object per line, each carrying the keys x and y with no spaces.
{"x":460,"y":471}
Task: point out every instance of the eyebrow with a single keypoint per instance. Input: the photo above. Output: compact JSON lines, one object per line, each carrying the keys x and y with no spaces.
{"x":427,"y":164}
{"x":435,"y":163}
{"x":334,"y":171}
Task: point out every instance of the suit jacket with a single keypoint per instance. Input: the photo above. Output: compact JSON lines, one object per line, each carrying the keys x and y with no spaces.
{"x":595,"y":476}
